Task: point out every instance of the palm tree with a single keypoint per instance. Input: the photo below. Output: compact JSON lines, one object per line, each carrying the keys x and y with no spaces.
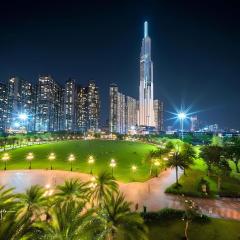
{"x":7,"y":198}
{"x":33,"y":202}
{"x":177,"y":161}
{"x":116,"y":221}
{"x":73,"y":189}
{"x":67,"y":221}
{"x":105,"y":186}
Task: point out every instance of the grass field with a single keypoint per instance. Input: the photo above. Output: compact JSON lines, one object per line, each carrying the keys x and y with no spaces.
{"x":217,"y":229}
{"x":125,"y":153}
{"x":189,"y":183}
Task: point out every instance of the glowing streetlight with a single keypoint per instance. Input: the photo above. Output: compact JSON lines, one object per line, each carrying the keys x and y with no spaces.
{"x":51,"y":158}
{"x":71,"y":158}
{"x":29,"y":158}
{"x":91,"y":161}
{"x":134,"y":168}
{"x":181,"y":116}
{"x":23,"y":116}
{"x":5,"y":158}
{"x":112,"y":165}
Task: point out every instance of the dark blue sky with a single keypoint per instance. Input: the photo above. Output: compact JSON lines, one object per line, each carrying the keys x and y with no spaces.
{"x":195,"y":49}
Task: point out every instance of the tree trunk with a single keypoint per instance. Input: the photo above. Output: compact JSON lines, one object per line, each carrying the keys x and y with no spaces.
{"x":237,"y":168}
{"x":219,"y":183}
{"x":186,"y":230}
{"x":177,"y":175}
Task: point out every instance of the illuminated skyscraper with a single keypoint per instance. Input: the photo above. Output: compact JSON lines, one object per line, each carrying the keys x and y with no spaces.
{"x":20,"y":100}
{"x":3,"y":106}
{"x":70,"y":105}
{"x":158,"y":115}
{"x":88,"y":108}
{"x":131,"y":113}
{"x":49,"y":113}
{"x":146,"y":111}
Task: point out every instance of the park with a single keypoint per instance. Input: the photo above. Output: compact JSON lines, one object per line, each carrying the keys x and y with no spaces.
{"x":143,"y":173}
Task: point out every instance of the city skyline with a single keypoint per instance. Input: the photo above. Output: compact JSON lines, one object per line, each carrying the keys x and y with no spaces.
{"x":199,"y":60}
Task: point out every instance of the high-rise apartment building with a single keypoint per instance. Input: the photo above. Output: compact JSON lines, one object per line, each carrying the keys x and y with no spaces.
{"x":70,"y":105}
{"x":131,"y":113}
{"x":158,"y":115}
{"x":93,"y":102}
{"x":48,"y":105}
{"x":88,"y":108}
{"x":3,"y":106}
{"x":122,"y":112}
{"x":20,"y":101}
{"x":146,"y":111}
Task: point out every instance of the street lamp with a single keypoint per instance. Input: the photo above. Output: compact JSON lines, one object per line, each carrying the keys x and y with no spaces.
{"x":5,"y":158}
{"x":29,"y":158}
{"x":51,"y":158}
{"x":112,"y":165}
{"x":23,"y":116}
{"x":71,"y":158}
{"x":91,"y":161}
{"x":181,"y":116}
{"x":134,"y":168}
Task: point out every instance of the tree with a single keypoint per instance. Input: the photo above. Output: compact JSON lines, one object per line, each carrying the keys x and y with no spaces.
{"x":188,"y":154}
{"x":211,"y":155}
{"x":116,"y":221}
{"x":104,"y":186}
{"x":177,"y":161}
{"x":73,"y":190}
{"x":66,"y":221}
{"x":232,"y":152}
{"x":222,"y":169}
{"x":33,"y":202}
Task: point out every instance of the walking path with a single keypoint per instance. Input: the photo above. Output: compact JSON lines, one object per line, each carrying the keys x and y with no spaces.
{"x":150,"y":193}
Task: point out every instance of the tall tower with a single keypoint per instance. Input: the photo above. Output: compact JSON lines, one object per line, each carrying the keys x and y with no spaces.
{"x":146,"y":111}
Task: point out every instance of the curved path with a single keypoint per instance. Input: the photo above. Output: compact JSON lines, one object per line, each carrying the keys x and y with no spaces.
{"x":150,"y":193}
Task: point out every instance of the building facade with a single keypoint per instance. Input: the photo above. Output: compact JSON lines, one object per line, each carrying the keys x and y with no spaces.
{"x":70,"y":105}
{"x":146,"y":111}
{"x":122,"y":111}
{"x":88,"y":108}
{"x":3,"y":106}
{"x":48,"y":105}
{"x":158,"y":115}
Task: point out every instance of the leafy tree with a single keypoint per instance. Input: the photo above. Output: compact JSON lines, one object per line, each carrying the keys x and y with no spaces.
{"x":232,"y":152}
{"x":211,"y":155}
{"x":188,"y":154}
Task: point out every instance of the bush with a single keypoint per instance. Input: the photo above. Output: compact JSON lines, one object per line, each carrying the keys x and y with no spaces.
{"x":166,"y":213}
{"x":201,"y":183}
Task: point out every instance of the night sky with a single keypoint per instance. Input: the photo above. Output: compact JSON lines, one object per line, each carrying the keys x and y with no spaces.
{"x":195,"y":49}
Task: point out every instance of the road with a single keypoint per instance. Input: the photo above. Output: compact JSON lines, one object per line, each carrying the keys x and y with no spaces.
{"x":150,"y":193}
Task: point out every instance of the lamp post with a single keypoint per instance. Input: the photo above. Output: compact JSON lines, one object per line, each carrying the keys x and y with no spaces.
{"x":51,"y":158}
{"x":5,"y":158}
{"x":112,"y":165}
{"x":181,"y":116}
{"x":91,"y":161}
{"x":71,"y":158}
{"x":29,"y":158}
{"x":134,"y":168}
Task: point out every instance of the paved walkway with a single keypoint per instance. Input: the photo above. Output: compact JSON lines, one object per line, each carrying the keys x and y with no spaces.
{"x":150,"y":193}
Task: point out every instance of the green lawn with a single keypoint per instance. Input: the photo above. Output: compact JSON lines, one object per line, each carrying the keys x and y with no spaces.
{"x":216,"y":229}
{"x":189,"y":183}
{"x":125,"y":153}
